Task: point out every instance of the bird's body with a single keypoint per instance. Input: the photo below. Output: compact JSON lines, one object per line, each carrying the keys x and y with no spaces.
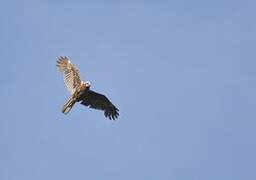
{"x":80,"y":91}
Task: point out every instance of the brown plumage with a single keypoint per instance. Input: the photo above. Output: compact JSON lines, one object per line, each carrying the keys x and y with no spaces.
{"x":80,"y":91}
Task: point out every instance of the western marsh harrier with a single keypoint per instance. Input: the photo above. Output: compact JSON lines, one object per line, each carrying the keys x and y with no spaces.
{"x":80,"y":91}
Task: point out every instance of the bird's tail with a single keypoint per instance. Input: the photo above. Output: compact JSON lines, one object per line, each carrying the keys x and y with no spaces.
{"x":68,"y":105}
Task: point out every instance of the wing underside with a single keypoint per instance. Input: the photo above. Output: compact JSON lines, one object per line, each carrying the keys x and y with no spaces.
{"x":98,"y":101}
{"x":70,"y":72}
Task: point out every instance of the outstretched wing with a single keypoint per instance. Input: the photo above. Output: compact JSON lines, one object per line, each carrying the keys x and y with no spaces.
{"x":98,"y":101}
{"x":70,"y":72}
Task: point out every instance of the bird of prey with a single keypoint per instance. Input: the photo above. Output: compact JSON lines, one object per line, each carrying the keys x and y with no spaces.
{"x":80,"y":91}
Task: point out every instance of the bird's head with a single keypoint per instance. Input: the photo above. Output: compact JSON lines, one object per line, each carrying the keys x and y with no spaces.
{"x":87,"y":84}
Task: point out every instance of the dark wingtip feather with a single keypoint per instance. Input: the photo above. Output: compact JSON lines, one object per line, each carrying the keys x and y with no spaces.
{"x":111,"y":114}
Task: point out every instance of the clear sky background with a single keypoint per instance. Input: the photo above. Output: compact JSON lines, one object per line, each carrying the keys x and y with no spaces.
{"x":181,"y":72}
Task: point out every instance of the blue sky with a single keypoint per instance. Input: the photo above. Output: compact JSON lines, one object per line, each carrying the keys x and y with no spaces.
{"x":182,"y":74}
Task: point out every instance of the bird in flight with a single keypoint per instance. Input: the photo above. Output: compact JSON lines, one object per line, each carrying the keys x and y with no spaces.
{"x":80,"y":91}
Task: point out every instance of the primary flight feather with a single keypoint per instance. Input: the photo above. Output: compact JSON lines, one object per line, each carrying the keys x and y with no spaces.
{"x":80,"y":91}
